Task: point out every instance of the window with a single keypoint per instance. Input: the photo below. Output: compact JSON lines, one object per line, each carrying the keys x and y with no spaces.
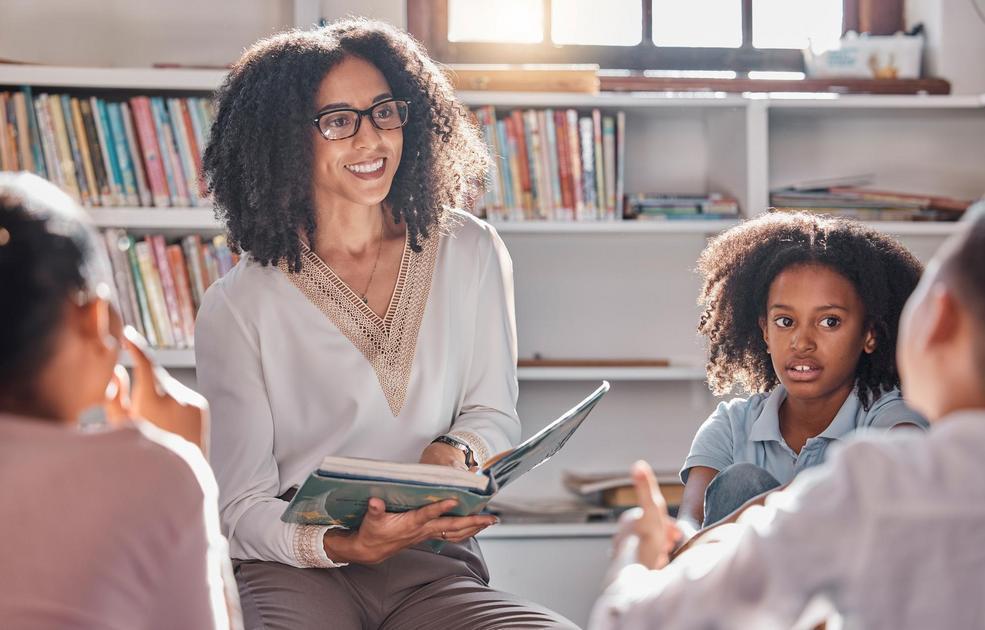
{"x":710,"y":35}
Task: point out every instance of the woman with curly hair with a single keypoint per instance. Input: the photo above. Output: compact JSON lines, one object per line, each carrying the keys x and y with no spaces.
{"x":801,"y":311}
{"x":369,"y":317}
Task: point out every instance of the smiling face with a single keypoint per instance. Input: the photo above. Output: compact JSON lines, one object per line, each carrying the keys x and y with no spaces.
{"x":357,"y":170}
{"x":815,"y":331}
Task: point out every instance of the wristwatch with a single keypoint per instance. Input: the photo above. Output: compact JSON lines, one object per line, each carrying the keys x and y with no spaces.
{"x":461,"y":445}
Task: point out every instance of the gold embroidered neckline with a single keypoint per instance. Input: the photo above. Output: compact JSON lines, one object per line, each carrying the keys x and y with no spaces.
{"x":387,"y":342}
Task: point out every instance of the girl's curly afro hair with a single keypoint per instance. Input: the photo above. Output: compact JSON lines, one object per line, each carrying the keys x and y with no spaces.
{"x":739,"y":266}
{"x":258,"y":163}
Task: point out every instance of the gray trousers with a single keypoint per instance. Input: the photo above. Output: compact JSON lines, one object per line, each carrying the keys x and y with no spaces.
{"x":732,"y":487}
{"x":417,"y":589}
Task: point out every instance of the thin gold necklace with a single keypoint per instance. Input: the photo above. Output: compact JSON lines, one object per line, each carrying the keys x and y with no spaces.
{"x":379,"y":248}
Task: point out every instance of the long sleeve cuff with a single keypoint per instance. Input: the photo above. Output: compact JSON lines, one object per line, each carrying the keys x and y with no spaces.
{"x":309,"y":547}
{"x":480,"y":447}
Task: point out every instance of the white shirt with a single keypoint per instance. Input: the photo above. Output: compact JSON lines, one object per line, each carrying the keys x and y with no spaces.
{"x":890,"y":532}
{"x":287,"y":386}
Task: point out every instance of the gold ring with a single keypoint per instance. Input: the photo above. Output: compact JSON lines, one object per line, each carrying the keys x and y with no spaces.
{"x":443,"y":537}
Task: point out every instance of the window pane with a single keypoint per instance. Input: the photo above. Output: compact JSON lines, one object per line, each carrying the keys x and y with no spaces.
{"x":615,"y":23}
{"x":697,"y":23}
{"x":516,"y":21}
{"x":796,"y":23}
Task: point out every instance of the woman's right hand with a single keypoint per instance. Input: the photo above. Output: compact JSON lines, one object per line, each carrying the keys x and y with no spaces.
{"x":383,"y":534}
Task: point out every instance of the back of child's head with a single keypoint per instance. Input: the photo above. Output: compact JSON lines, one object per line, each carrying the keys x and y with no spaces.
{"x":739,"y":266}
{"x":963,"y":268}
{"x":49,"y":255}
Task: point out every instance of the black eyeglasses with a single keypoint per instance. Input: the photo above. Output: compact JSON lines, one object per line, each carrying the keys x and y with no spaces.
{"x":339,"y":124}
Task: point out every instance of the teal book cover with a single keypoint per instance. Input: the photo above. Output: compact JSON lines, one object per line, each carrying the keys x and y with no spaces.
{"x":338,"y":492}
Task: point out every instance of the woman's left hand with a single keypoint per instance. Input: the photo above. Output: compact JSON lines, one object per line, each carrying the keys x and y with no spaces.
{"x":444,"y":455}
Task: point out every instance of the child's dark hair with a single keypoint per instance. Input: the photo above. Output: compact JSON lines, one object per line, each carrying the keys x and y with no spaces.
{"x":258,"y":163}
{"x":48,"y":256}
{"x":739,"y":266}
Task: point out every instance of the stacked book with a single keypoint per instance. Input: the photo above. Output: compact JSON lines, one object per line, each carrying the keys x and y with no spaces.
{"x":142,"y":151}
{"x":668,"y":207}
{"x":867,"y":204}
{"x":555,"y":165}
{"x":161,"y":284}
{"x":616,"y":491}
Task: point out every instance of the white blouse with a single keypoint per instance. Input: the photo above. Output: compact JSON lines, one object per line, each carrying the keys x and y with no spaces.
{"x":297,"y":367}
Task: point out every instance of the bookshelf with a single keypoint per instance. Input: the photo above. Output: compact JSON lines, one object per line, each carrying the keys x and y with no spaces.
{"x":627,"y":289}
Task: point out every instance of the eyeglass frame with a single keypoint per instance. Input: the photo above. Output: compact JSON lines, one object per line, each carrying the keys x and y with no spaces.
{"x":359,"y":117}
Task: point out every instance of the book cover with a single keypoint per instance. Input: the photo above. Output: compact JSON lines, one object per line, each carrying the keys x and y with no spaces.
{"x":529,"y":122}
{"x":338,"y":492}
{"x":600,"y":195}
{"x":522,"y":165}
{"x":143,"y":190}
{"x":609,"y":160}
{"x":564,"y":165}
{"x":552,"y":164}
{"x":589,"y":190}
{"x":620,"y":163}
{"x":96,"y":154}
{"x":505,"y":172}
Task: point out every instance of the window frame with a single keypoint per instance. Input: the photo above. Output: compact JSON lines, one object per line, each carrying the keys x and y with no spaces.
{"x":428,"y":21}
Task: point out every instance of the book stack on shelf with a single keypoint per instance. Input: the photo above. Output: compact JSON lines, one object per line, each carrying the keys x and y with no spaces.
{"x":615,"y":490}
{"x":161,"y":285}
{"x":556,"y":165}
{"x":855,"y":200}
{"x":670,"y":207}
{"x":141,"y":151}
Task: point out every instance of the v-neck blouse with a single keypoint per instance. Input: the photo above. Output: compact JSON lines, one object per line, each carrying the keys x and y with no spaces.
{"x":295,"y":370}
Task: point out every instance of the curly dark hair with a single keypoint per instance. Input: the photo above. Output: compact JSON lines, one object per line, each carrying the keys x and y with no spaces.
{"x":739,"y":266}
{"x":258,"y":163}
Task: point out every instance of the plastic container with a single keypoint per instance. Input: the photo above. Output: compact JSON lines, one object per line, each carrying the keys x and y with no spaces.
{"x":866,"y":57}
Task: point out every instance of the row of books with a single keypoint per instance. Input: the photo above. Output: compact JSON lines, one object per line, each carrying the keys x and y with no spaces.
{"x":556,"y":165}
{"x":142,"y":151}
{"x":161,"y":284}
{"x":667,"y":207}
{"x":868,"y":204}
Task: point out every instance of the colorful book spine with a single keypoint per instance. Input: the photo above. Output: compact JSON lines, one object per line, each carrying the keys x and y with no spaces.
{"x":87,"y":167}
{"x":169,"y":156}
{"x":186,"y":303}
{"x":150,"y":148}
{"x":78,"y":169}
{"x":609,"y":160}
{"x":620,"y":164}
{"x":127,"y":175}
{"x":173,"y":308}
{"x":186,"y":159}
{"x":563,"y":166}
{"x":192,"y":246}
{"x":195,"y":149}
{"x":505,"y":171}
{"x":37,"y":149}
{"x":104,"y":134}
{"x":133,"y":148}
{"x":117,"y":242}
{"x":96,"y":154}
{"x":69,"y":180}
{"x":25,"y":137}
{"x":516,"y":211}
{"x":589,"y":190}
{"x":574,"y":161}
{"x":155,"y":294}
{"x":599,"y":163}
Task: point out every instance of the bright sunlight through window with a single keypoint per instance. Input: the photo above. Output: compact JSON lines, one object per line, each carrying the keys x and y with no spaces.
{"x":796,"y":23}
{"x":697,"y":23}
{"x":616,"y":23}
{"x":507,"y":21}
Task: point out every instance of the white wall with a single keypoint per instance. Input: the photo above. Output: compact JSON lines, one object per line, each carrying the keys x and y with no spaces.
{"x":955,"y":41}
{"x":138,"y":33}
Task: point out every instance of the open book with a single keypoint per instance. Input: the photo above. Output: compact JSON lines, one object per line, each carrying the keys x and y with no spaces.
{"x":338,"y":492}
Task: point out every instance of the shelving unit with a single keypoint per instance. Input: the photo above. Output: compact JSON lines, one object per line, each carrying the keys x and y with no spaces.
{"x":627,"y":289}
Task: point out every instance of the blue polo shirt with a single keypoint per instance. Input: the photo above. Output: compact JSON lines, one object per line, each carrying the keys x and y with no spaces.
{"x":747,"y":430}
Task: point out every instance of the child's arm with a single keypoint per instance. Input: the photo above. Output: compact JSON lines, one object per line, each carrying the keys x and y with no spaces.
{"x":691,"y":513}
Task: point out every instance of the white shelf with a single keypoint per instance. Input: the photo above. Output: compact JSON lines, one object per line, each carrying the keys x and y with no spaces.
{"x":550,"y":530}
{"x":610,"y":373}
{"x":191,"y":219}
{"x":112,"y":78}
{"x":697,"y":226}
{"x":626,"y":100}
{"x":872,"y":101}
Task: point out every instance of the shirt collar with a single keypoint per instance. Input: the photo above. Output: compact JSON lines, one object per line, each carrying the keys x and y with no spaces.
{"x":766,"y":427}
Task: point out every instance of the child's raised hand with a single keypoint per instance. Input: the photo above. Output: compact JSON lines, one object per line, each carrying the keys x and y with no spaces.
{"x":657,"y":531}
{"x":159,"y":397}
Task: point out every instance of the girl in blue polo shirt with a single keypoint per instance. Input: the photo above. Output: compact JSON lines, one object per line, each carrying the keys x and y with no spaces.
{"x":802,"y":312}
